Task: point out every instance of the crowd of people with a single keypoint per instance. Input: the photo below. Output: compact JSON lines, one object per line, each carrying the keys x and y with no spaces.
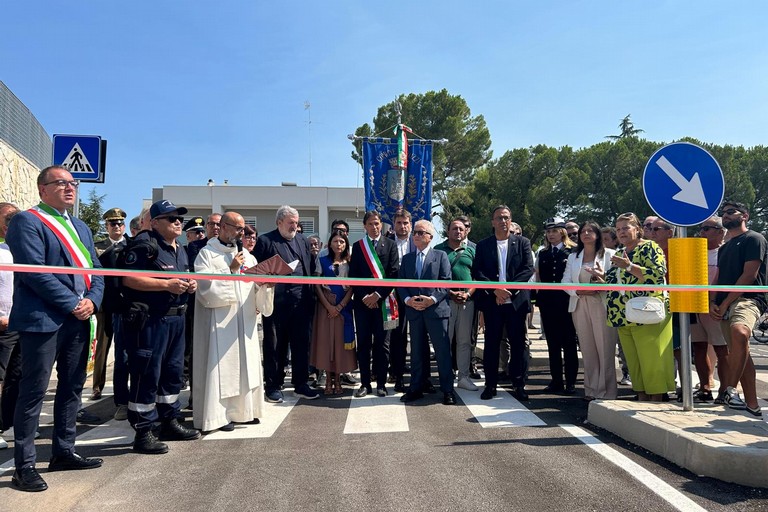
{"x":172,"y":332}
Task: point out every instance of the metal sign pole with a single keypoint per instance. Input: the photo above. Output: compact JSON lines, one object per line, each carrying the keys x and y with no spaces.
{"x":685,"y":350}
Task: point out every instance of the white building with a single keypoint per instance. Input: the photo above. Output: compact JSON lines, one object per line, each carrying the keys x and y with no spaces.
{"x":317,"y":206}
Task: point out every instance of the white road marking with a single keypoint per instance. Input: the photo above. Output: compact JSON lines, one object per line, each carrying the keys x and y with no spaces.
{"x":371,"y":415}
{"x":501,"y":411}
{"x":657,"y":485}
{"x":274,"y":415}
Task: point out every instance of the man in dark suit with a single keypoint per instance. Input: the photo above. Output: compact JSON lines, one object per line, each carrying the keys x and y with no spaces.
{"x":427,"y":311}
{"x":374,"y":256}
{"x":398,"y":337}
{"x":503,"y":257}
{"x":51,"y":313}
{"x":291,"y":319}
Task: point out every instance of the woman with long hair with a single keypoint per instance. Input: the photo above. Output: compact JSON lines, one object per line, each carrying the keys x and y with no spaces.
{"x":333,"y":332}
{"x":553,"y":306}
{"x":647,"y":347}
{"x":597,"y":340}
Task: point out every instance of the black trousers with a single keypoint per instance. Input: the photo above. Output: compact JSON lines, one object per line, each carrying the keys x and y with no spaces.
{"x":288,"y":326}
{"x":371,"y":338}
{"x":562,"y":342}
{"x":496,"y":319}
{"x":398,"y":343}
{"x":68,"y":349}
{"x":10,"y":374}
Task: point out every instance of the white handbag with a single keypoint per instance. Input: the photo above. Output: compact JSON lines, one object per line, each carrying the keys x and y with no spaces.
{"x":644,"y":310}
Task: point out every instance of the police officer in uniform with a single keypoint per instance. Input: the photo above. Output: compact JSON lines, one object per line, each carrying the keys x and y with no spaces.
{"x":553,"y":305}
{"x":156,"y":316}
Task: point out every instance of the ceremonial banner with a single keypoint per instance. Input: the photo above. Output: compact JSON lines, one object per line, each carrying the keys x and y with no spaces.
{"x":389,"y":188}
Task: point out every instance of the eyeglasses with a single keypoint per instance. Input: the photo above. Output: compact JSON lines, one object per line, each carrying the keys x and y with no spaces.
{"x":211,"y":223}
{"x":419,"y":232}
{"x":172,"y":218}
{"x":116,"y":222}
{"x":707,"y":228}
{"x":63,"y":184}
{"x":660,"y":228}
{"x":649,"y":225}
{"x":730,"y":211}
{"x":341,"y":230}
{"x":250,"y":237}
{"x":236,"y":228}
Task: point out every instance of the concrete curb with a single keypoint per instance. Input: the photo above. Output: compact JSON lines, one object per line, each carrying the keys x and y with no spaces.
{"x":708,"y":441}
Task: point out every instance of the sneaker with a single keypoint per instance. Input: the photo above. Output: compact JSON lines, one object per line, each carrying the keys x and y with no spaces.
{"x":304,"y":391}
{"x":733,"y":400}
{"x":625,"y":380}
{"x":465,"y":383}
{"x":349,"y":379}
{"x":703,"y":396}
{"x":121,"y":413}
{"x":275,"y":396}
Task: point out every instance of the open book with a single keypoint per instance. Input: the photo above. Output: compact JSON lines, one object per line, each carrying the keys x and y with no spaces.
{"x":274,"y":266}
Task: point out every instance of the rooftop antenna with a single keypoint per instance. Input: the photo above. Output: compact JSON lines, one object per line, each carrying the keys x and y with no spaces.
{"x":308,"y":108}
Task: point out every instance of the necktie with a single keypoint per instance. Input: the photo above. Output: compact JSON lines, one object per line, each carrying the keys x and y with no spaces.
{"x":419,"y":263}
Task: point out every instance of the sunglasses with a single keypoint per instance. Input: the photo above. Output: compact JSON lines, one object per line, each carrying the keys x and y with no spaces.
{"x":660,"y":228}
{"x":419,"y":232}
{"x":648,"y":225}
{"x":707,"y":228}
{"x":116,"y":222}
{"x":172,"y":218}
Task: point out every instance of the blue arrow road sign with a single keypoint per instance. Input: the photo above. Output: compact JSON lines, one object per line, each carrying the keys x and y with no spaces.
{"x":683,"y":184}
{"x":81,"y":154}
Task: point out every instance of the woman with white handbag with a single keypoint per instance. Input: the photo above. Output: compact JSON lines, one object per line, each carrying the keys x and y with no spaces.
{"x":644,"y":324}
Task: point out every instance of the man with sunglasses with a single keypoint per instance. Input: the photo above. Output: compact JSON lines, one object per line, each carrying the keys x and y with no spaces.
{"x":156,"y":322}
{"x":114,"y":222}
{"x":51,"y":313}
{"x":741,"y":261}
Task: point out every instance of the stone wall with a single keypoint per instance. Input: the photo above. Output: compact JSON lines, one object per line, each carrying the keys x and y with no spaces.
{"x":19,"y":175}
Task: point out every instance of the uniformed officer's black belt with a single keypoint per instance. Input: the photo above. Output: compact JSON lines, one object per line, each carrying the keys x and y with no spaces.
{"x":176,"y":311}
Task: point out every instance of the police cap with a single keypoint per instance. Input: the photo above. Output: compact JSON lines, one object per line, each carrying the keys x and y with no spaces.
{"x":195,"y":224}
{"x":114,"y":214}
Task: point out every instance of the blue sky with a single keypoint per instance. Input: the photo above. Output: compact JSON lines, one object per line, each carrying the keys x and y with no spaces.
{"x":188,"y":90}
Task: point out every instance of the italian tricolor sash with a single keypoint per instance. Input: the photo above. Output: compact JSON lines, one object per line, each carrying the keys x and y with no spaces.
{"x":389,"y":310}
{"x":69,"y":238}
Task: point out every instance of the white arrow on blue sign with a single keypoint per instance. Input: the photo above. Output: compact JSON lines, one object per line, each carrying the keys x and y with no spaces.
{"x":81,"y":154}
{"x":683,"y":184}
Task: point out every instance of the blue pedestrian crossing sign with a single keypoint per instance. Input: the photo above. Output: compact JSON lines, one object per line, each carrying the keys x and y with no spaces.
{"x":81,"y":154}
{"x":683,"y":184}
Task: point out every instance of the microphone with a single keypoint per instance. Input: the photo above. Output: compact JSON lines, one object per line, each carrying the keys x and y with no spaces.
{"x":239,"y":243}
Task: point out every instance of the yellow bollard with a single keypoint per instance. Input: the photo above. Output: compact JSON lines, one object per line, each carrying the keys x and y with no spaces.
{"x":688,"y":265}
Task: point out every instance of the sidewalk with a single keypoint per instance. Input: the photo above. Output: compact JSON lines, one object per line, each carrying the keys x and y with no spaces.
{"x":711,"y":440}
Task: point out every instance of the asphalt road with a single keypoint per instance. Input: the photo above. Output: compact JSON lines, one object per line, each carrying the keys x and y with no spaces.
{"x":441,"y":458}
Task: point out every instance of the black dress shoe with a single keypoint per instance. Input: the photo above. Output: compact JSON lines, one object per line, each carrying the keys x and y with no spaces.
{"x":72,"y":461}
{"x":399,"y":385}
{"x":488,"y":393}
{"x":570,"y":389}
{"x":172,"y":430}
{"x":520,"y":394}
{"x":254,"y":421}
{"x":449,"y":399}
{"x":146,"y":442}
{"x":381,"y":392}
{"x":429,"y":388}
{"x":229,"y":427}
{"x":411,"y":396}
{"x":363,"y":391}
{"x":29,"y":480}
{"x":473,"y":373}
{"x":553,"y":387}
{"x":87,"y":418}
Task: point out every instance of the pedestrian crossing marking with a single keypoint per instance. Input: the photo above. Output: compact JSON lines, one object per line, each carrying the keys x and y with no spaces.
{"x":274,"y":415}
{"x":76,"y":161}
{"x":375,"y":415}
{"x":501,"y":411}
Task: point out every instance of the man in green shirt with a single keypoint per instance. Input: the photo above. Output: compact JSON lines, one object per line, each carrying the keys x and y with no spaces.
{"x":460,"y":257}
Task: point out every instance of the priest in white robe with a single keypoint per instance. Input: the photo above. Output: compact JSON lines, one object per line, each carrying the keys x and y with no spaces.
{"x":227,"y":371}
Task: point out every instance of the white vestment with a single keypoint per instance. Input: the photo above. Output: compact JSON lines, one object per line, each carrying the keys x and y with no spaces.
{"x":227,"y":383}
